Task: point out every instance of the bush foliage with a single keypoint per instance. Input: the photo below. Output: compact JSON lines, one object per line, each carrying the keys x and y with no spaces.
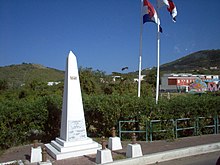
{"x":34,"y":110}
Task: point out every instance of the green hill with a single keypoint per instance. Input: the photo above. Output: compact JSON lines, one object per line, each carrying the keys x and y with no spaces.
{"x":201,"y":62}
{"x":205,"y":62}
{"x":23,"y":73}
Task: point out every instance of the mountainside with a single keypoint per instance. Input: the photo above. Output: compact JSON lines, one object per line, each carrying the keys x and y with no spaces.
{"x":201,"y":62}
{"x":206,"y":61}
{"x":19,"y":74}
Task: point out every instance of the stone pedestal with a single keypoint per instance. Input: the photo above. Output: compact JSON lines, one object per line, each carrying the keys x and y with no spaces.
{"x":114,"y":143}
{"x":104,"y":156}
{"x":73,"y":140}
{"x":36,"y":155}
{"x":45,"y":163}
{"x":60,"y":149}
{"x":133,"y":151}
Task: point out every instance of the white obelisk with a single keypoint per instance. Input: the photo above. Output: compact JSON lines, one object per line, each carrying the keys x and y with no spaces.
{"x":73,"y":140}
{"x":72,"y":122}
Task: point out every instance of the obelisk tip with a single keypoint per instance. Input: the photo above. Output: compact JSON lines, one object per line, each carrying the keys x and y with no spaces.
{"x":71,"y":56}
{"x":71,"y":53}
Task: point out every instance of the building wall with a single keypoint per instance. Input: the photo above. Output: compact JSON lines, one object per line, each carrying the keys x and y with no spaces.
{"x":176,"y":81}
{"x":172,"y":81}
{"x":167,"y":86}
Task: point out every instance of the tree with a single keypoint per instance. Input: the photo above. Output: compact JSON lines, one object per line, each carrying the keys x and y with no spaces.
{"x":90,"y":81}
{"x":3,"y":85}
{"x":151,"y":77}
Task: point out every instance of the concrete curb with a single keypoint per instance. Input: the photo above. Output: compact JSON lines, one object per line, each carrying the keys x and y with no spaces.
{"x":169,"y":155}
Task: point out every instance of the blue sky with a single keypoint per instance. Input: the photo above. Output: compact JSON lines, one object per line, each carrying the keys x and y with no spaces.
{"x":103,"y":34}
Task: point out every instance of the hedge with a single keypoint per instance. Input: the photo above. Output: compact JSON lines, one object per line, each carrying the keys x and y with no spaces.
{"x":21,"y":120}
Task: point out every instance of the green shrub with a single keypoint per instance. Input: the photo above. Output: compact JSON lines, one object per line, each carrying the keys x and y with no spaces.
{"x":34,"y":111}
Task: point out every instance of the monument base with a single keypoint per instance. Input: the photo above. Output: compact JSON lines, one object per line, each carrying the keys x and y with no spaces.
{"x":60,"y":149}
{"x":133,"y":151}
{"x":36,"y":155}
{"x":104,"y":156}
{"x":48,"y":162}
{"x":114,"y":143}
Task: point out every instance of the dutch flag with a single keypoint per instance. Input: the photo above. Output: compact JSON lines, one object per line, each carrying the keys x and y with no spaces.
{"x":150,"y":14}
{"x":170,"y":7}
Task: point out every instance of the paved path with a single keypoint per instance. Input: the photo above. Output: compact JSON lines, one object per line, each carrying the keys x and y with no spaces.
{"x":23,"y":152}
{"x":203,"y":159}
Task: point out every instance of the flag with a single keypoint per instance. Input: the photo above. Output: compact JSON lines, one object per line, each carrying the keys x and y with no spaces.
{"x":150,"y":14}
{"x":124,"y":68}
{"x":172,"y":10}
{"x":170,"y":7}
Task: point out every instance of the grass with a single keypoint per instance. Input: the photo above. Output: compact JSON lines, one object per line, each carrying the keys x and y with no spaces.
{"x":2,"y":152}
{"x":119,"y":157}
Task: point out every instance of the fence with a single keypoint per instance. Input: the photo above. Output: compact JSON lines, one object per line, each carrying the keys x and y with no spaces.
{"x":131,"y":123}
{"x":160,"y":129}
{"x":217,"y":124}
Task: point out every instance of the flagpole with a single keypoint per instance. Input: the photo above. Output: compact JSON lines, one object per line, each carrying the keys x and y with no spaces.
{"x":158,"y":55}
{"x":140,"y":51}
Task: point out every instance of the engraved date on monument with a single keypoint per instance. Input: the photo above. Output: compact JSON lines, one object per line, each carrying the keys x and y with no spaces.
{"x":76,"y":130}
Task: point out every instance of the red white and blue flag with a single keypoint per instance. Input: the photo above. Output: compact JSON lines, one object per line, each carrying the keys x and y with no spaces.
{"x":150,"y":14}
{"x":170,"y":7}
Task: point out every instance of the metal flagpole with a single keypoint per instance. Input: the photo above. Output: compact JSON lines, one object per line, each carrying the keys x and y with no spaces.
{"x":158,"y":55}
{"x":140,"y":50}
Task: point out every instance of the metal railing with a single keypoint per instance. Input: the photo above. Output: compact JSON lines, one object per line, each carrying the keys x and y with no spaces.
{"x":210,"y":123}
{"x":189,"y":125}
{"x":178,"y":128}
{"x":160,"y":127}
{"x":217,"y":124}
{"x":122,"y":123}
